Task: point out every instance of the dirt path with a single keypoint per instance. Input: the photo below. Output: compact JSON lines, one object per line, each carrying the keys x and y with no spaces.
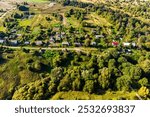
{"x":64,"y":19}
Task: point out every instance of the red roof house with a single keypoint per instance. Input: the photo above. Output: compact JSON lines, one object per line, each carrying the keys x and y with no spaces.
{"x":115,"y":43}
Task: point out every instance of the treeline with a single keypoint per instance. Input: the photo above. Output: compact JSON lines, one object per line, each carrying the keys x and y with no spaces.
{"x":71,"y":71}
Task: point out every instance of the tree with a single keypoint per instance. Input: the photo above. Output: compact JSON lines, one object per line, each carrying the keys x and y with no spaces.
{"x":143,"y":82}
{"x":87,"y":74}
{"x":37,"y":66}
{"x":123,"y":83}
{"x":89,"y":86}
{"x":143,"y":91}
{"x":76,"y":85}
{"x":65,"y":84}
{"x":104,"y":78}
{"x":56,"y":74}
{"x":145,"y":65}
{"x":134,"y":72}
{"x":100,"y":62}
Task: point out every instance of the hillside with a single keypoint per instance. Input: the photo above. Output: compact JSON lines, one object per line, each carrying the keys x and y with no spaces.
{"x":75,"y":50}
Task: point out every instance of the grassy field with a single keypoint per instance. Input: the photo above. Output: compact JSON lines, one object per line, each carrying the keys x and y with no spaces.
{"x":97,"y":20}
{"x":75,"y":95}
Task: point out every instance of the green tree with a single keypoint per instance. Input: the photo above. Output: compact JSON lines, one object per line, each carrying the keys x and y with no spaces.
{"x":143,"y":82}
{"x":89,"y":86}
{"x":65,"y":84}
{"x":76,"y":85}
{"x":123,"y":83}
{"x":104,"y":78}
{"x":56,"y":74}
{"x":143,"y":91}
{"x":145,"y":65}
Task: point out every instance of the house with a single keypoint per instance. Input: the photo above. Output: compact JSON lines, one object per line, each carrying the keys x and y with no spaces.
{"x":19,"y":35}
{"x":128,"y":51}
{"x":93,"y":43}
{"x":12,"y":36}
{"x":65,"y":43}
{"x":14,"y":42}
{"x":63,"y":33}
{"x":52,"y":40}
{"x":52,"y":4}
{"x":126,"y":44}
{"x":77,"y":44}
{"x":99,"y":36}
{"x":133,"y":44}
{"x":38,"y":43}
{"x":2,"y":41}
{"x":27,"y":43}
{"x":6,"y":38}
{"x":13,"y":31}
{"x":58,"y":37}
{"x":115,"y":43}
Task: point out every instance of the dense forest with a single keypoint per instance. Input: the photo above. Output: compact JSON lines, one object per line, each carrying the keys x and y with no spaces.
{"x":75,"y":50}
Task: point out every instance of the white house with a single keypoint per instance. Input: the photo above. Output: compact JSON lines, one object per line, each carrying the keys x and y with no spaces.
{"x":38,"y":43}
{"x":14,"y":42}
{"x":65,"y":43}
{"x":126,"y":44}
{"x":2,"y":41}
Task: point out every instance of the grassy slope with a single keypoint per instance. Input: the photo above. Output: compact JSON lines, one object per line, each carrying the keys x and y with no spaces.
{"x":97,"y":20}
{"x":11,"y":74}
{"x":75,"y":95}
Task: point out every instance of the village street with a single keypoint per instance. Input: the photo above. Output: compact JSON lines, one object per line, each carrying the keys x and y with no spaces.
{"x":78,"y":49}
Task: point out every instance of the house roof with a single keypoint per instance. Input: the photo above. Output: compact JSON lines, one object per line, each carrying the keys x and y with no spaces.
{"x":13,"y":41}
{"x":65,"y":43}
{"x":38,"y":42}
{"x":115,"y":43}
{"x":2,"y":41}
{"x":126,"y":43}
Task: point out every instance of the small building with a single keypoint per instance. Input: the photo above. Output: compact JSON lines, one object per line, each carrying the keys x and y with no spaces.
{"x":99,"y":36}
{"x":65,"y":43}
{"x":38,"y":43}
{"x":126,"y":44}
{"x":58,"y":37}
{"x":63,"y":33}
{"x":19,"y":35}
{"x":14,"y":42}
{"x":77,"y":44}
{"x":2,"y":41}
{"x":133,"y":44}
{"x":128,"y":51}
{"x":93,"y":43}
{"x":27,"y":43}
{"x":52,"y":40}
{"x":13,"y":36}
{"x":13,"y":31}
{"x":115,"y":43}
